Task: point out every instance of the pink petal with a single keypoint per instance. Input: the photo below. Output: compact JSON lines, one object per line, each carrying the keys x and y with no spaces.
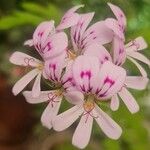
{"x":136,"y":45}
{"x":74,"y":97}
{"x":67,"y":78}
{"x":22,"y":83}
{"x":50,"y":113}
{"x":82,"y":134}
{"x":136,"y":82}
{"x":54,"y":45}
{"x":118,"y":13}
{"x":108,"y":126}
{"x":129,"y":100}
{"x":67,"y":118}
{"x":43,"y":97}
{"x":110,"y":81}
{"x":29,"y":42}
{"x":114,"y":26}
{"x":99,"y":51}
{"x":54,"y":67}
{"x":141,"y":69}
{"x":36,"y":89}
{"x":114,"y":104}
{"x":99,"y":33}
{"x":69,"y":19}
{"x":73,"y":9}
{"x":85,"y":69}
{"x":78,"y":30}
{"x":22,"y":59}
{"x":119,"y":53}
{"x":42,"y":32}
{"x":44,"y":74}
{"x":139,"y":57}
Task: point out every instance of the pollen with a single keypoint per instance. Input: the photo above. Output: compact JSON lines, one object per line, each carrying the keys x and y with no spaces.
{"x":40,"y":66}
{"x":71,"y":55}
{"x":59,"y":92}
{"x":88,"y":106}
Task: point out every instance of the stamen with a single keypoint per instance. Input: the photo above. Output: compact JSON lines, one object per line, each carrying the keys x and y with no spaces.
{"x":71,"y":55}
{"x":88,"y":106}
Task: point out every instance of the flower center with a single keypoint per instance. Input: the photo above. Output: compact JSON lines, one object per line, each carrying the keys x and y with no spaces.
{"x":40,"y":66}
{"x":89,"y":104}
{"x":71,"y":55}
{"x":59,"y":92}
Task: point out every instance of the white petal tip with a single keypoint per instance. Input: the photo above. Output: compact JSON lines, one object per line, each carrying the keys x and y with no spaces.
{"x":109,"y":4}
{"x":11,"y":58}
{"x":82,"y":5}
{"x":15,"y":93}
{"x":114,"y":108}
{"x":48,"y":126}
{"x":80,"y":147}
{"x":46,"y":123}
{"x":116,"y":135}
{"x":56,"y":128}
{"x":135,"y":110}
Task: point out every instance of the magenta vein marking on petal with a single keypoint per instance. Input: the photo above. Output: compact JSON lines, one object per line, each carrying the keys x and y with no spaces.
{"x":134,"y":43}
{"x":40,"y":34}
{"x":97,"y":91}
{"x":82,"y":88}
{"x":85,"y":74}
{"x":48,"y":46}
{"x":28,"y":61}
{"x":53,"y":67}
{"x":51,"y":98}
{"x":121,"y":51}
{"x":69,"y":79}
{"x":87,"y":114}
{"x":74,"y":36}
{"x":108,"y":80}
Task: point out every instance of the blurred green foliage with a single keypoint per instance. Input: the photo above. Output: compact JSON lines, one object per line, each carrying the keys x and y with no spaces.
{"x":19,"y":17}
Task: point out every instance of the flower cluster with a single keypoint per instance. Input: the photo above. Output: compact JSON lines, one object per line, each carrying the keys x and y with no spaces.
{"x":84,"y":68}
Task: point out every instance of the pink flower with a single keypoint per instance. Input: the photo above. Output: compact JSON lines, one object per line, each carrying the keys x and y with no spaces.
{"x":96,"y":83}
{"x":22,"y":59}
{"x":63,"y":85}
{"x":47,"y":42}
{"x":49,"y":45}
{"x":82,"y":37}
{"x":130,"y":50}
{"x":133,"y":49}
{"x":133,"y":82}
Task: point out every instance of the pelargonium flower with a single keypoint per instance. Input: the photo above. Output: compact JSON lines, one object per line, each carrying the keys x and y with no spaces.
{"x":82,"y":72}
{"x":82,"y":37}
{"x":133,"y":49}
{"x":95,"y":83}
{"x":102,"y":54}
{"x":130,"y":50}
{"x":22,"y":59}
{"x":133,"y":82}
{"x":47,"y":42}
{"x":49,"y":46}
{"x":63,"y":87}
